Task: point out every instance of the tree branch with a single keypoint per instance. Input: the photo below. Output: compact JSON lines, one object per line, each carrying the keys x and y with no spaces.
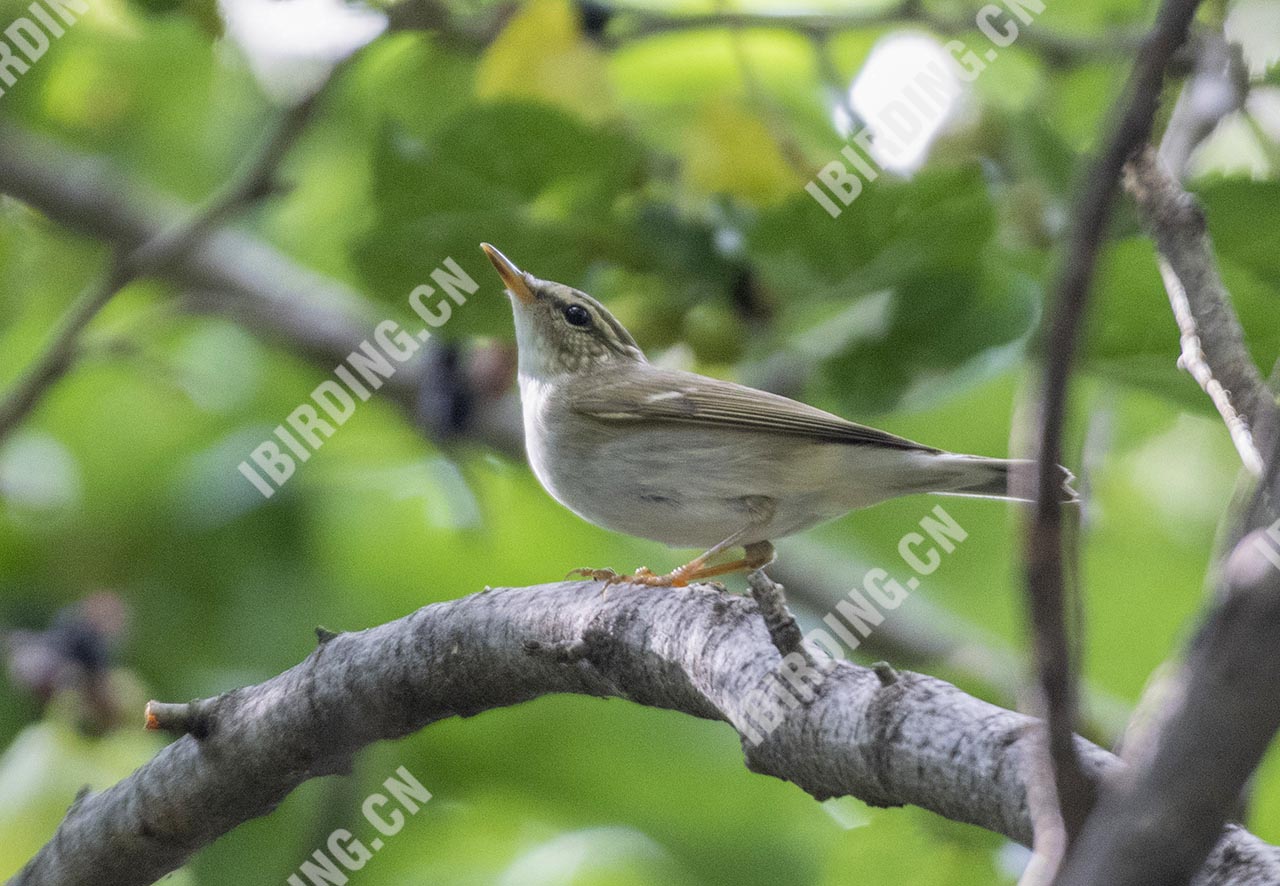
{"x":1058,"y":48}
{"x":925,"y":636}
{"x":231,"y":273}
{"x":1213,"y":346}
{"x":888,"y":738}
{"x":159,"y":248}
{"x":1045,"y":568}
{"x":1218,"y":86}
{"x":1220,"y":710}
{"x":1155,"y":822}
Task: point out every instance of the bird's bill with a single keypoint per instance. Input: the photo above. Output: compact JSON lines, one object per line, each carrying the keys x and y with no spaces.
{"x":512,"y":277}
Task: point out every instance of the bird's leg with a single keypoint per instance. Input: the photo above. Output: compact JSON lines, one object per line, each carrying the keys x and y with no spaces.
{"x":756,"y":555}
{"x":644,"y":576}
{"x":757,"y":510}
{"x":676,"y":578}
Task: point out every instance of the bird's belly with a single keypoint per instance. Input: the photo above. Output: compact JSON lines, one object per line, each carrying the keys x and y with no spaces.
{"x":688,"y":486}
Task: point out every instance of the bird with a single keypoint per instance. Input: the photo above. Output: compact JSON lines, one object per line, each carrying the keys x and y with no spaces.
{"x":696,"y":462}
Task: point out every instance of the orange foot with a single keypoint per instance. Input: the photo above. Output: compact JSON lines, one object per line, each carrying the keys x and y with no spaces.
{"x":642,"y":576}
{"x":757,"y":555}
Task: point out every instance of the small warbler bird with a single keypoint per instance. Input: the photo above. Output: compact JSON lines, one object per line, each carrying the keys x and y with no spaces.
{"x":692,"y":461}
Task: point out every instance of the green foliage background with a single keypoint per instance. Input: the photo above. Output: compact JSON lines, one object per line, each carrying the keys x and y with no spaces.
{"x":656,"y":176}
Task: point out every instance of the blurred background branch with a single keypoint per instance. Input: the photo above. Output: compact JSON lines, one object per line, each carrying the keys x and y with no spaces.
{"x":152,"y":255}
{"x":1058,"y":48}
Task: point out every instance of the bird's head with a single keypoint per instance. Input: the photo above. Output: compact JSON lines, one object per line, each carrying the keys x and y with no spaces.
{"x":560,"y":330}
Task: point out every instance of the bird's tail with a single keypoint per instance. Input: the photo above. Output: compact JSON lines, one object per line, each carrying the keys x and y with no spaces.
{"x":974,"y":476}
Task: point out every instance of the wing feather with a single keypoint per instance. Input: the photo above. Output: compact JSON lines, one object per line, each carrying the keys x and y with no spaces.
{"x":683,"y":397}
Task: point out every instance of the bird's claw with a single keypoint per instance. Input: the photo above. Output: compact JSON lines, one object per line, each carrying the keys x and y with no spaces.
{"x":642,"y":576}
{"x":675,"y":579}
{"x":605,"y":575}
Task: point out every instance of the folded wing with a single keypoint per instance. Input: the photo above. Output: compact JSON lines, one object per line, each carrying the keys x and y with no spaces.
{"x":669,"y":395}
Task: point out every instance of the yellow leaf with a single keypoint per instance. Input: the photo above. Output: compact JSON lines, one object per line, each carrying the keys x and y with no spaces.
{"x":730,"y":151}
{"x":542,"y":55}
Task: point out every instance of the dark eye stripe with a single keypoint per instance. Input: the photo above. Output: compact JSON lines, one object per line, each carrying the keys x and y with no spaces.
{"x":577,"y":315}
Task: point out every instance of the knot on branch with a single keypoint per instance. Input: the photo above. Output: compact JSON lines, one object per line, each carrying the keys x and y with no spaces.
{"x":191,"y":718}
{"x":1164,"y":203}
{"x":778,"y":620}
{"x":324,"y":635}
{"x":560,"y":653}
{"x":885,"y":673}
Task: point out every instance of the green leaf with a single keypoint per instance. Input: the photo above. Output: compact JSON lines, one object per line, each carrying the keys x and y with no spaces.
{"x":1235,"y":208}
{"x":942,"y":218}
{"x":899,"y":290}
{"x":1133,"y":337}
{"x":936,"y":323}
{"x":535,"y":181}
{"x":561,"y":197}
{"x":41,"y":772}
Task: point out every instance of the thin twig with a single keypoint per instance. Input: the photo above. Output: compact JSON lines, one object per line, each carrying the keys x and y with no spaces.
{"x":255,"y":183}
{"x":1060,"y":49}
{"x":1218,"y":87}
{"x":778,"y":620}
{"x":788,"y":148}
{"x":1193,"y":360}
{"x":1046,"y":567}
{"x":1213,"y":346}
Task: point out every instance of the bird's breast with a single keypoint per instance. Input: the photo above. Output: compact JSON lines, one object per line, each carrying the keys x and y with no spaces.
{"x":536,"y":401}
{"x":684,"y":486}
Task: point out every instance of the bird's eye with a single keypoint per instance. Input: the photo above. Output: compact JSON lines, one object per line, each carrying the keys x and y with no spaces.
{"x":577,"y":315}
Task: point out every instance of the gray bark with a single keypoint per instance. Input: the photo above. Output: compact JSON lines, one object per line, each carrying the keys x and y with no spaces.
{"x":887,"y":738}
